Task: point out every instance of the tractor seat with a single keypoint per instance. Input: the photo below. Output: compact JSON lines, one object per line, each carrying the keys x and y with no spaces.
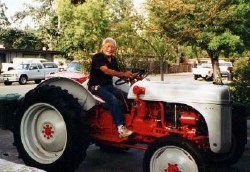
{"x":97,"y":98}
{"x":85,"y":85}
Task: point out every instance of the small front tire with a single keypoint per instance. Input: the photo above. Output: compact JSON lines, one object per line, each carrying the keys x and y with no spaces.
{"x":174,"y":153}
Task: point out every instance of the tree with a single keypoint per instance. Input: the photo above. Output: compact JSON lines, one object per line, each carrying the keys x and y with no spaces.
{"x":14,"y":38}
{"x":84,"y":26}
{"x":44,"y":18}
{"x":240,"y":86}
{"x":160,"y":47}
{"x":220,"y":27}
{"x":4,"y":21}
{"x":77,"y":29}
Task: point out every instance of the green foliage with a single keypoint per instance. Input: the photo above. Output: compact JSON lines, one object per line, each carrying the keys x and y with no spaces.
{"x":77,"y":28}
{"x":221,"y":42}
{"x":216,"y":26}
{"x":4,"y":21}
{"x":45,"y":19}
{"x":84,"y":26}
{"x":241,"y":84}
{"x":220,"y":27}
{"x":13,"y":38}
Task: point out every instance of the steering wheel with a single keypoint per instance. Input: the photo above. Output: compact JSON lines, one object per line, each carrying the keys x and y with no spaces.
{"x":137,"y":77}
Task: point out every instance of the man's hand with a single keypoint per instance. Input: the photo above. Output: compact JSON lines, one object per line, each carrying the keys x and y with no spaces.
{"x":128,"y":74}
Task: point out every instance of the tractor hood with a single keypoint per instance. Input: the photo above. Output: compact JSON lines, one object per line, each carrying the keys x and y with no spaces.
{"x":182,"y":93}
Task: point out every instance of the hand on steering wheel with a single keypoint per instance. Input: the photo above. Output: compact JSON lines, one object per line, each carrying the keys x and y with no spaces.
{"x":136,"y":77}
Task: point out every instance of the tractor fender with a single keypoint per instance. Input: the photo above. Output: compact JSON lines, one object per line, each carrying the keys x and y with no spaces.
{"x":85,"y":98}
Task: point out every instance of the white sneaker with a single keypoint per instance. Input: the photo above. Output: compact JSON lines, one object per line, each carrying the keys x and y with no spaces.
{"x":123,"y":131}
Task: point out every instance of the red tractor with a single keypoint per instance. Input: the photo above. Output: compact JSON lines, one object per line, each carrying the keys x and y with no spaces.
{"x":181,"y":127}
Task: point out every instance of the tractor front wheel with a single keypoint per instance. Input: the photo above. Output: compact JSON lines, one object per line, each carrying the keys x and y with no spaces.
{"x":174,"y":153}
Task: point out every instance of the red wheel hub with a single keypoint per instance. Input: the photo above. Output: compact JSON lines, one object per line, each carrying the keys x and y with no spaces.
{"x":172,"y":168}
{"x":48,"y":131}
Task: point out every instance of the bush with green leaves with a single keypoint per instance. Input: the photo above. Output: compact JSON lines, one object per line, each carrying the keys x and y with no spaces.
{"x":240,"y":86}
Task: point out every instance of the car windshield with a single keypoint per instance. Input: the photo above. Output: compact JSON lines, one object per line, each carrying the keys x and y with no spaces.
{"x":75,"y":67}
{"x":226,"y":64}
{"x":22,"y":66}
{"x":206,"y":65}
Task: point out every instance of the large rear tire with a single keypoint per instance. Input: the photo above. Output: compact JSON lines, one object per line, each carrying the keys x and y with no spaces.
{"x":174,"y":153}
{"x":51,"y":130}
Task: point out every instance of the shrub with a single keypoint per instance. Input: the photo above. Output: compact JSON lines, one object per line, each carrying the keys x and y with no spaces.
{"x":240,"y":87}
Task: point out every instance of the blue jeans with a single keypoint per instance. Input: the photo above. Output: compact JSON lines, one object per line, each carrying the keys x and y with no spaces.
{"x":111,"y":95}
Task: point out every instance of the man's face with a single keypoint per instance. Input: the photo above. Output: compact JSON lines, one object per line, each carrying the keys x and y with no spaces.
{"x":108,"y":48}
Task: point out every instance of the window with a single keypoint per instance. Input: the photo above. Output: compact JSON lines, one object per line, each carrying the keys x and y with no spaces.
{"x":40,"y":66}
{"x":33,"y":66}
{"x":75,"y":67}
{"x":50,"y":65}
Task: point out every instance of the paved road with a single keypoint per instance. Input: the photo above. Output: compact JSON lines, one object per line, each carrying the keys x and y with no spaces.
{"x":98,"y":161}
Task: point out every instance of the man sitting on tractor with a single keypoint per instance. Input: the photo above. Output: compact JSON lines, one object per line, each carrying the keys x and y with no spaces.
{"x":103,"y":67}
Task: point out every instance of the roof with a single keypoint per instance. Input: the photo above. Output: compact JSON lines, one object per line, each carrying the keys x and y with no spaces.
{"x":29,"y":51}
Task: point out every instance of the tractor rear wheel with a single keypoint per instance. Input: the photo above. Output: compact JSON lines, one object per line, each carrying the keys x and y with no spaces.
{"x":174,"y":153}
{"x":51,"y":130}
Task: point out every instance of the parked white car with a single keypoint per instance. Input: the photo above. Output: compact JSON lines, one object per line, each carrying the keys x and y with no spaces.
{"x":205,"y":70}
{"x":7,"y":66}
{"x":29,"y":71}
{"x":225,"y":68}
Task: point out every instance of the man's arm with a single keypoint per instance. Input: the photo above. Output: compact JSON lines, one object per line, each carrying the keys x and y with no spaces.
{"x":112,"y":72}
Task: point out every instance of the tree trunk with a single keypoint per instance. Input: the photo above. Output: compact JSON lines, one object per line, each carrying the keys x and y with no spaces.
{"x":162,"y":72}
{"x":216,"y":70}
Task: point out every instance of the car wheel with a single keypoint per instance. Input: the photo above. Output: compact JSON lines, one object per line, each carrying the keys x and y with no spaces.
{"x":8,"y":83}
{"x":196,"y":77}
{"x":23,"y":80}
{"x":37,"y":81}
{"x":174,"y":153}
{"x":51,"y":130}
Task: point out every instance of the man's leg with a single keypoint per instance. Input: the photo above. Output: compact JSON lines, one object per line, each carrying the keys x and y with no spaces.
{"x":122,"y":96}
{"x":112,"y":101}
